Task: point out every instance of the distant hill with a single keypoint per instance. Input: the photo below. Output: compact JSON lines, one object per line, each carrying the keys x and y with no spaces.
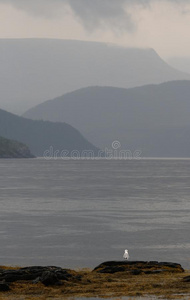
{"x":43,"y":136}
{"x":153,"y":118}
{"x":180,"y":63}
{"x":34,"y":70}
{"x":13,"y":149}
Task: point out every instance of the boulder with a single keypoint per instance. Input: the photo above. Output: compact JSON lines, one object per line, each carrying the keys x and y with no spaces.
{"x":49,"y":278}
{"x":34,"y":273}
{"x":138,"y":267}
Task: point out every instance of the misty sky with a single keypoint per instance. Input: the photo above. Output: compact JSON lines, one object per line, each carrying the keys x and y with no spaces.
{"x":162,"y":25}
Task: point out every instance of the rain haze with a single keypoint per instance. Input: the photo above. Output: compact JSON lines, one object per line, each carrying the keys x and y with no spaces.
{"x":144,"y":24}
{"x":162,"y":25}
{"x":95,"y":103}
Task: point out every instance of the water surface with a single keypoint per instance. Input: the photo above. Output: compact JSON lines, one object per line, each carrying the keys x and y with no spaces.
{"x":80,"y":213}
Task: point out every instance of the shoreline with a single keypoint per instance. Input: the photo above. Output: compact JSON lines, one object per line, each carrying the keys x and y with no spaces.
{"x":108,"y":280}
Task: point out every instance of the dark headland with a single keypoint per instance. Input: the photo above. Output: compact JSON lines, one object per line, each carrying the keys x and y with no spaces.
{"x":13,"y":149}
{"x":109,"y":279}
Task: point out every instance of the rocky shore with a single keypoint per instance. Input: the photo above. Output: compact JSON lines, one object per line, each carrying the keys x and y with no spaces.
{"x":109,"y":279}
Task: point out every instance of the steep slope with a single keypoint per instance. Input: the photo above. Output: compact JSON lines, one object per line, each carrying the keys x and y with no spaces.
{"x":152,"y":118}
{"x":43,"y":136}
{"x":33,"y":70}
{"x":13,"y":149}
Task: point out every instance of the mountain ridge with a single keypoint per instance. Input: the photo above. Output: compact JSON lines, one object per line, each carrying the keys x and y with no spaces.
{"x":41,"y":136}
{"x":137,"y":117}
{"x":33,"y":70}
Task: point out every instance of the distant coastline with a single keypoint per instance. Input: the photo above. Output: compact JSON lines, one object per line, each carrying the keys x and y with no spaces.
{"x":13,"y":149}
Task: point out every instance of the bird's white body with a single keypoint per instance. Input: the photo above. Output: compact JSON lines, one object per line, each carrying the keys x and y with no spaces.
{"x":126,"y":254}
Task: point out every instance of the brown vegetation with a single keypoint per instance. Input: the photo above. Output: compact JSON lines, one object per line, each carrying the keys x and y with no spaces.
{"x":88,"y":283}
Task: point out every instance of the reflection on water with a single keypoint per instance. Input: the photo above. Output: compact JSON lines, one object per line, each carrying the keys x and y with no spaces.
{"x":80,"y":213}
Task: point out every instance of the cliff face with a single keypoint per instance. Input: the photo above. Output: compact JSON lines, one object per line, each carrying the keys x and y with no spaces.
{"x":13,"y":149}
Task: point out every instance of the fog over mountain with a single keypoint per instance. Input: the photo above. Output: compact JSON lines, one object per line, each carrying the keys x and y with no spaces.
{"x":180,"y":63}
{"x":34,"y":70}
{"x":43,"y":136}
{"x":153,"y":118}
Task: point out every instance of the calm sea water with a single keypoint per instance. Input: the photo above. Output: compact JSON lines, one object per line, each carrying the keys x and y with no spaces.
{"x":81,"y":213}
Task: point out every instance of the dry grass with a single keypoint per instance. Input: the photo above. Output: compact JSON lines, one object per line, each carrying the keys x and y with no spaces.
{"x":93,"y":284}
{"x":9,"y":267}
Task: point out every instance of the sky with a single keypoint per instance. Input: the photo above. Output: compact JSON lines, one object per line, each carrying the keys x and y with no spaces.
{"x":159,"y":24}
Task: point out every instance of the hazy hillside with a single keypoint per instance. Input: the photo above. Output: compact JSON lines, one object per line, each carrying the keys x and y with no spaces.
{"x":40,"y":135}
{"x":181,"y":63}
{"x":13,"y":149}
{"x":34,"y":70}
{"x":152,"y":118}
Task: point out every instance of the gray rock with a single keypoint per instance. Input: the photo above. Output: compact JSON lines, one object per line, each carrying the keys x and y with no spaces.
{"x":138,"y":267}
{"x":49,"y":278}
{"x":34,"y":273}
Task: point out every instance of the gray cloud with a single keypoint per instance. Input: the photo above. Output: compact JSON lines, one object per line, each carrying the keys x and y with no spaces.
{"x":92,"y":14}
{"x":100,"y":13}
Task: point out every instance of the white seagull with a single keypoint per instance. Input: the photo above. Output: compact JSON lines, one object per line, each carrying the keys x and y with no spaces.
{"x":126,"y":254}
